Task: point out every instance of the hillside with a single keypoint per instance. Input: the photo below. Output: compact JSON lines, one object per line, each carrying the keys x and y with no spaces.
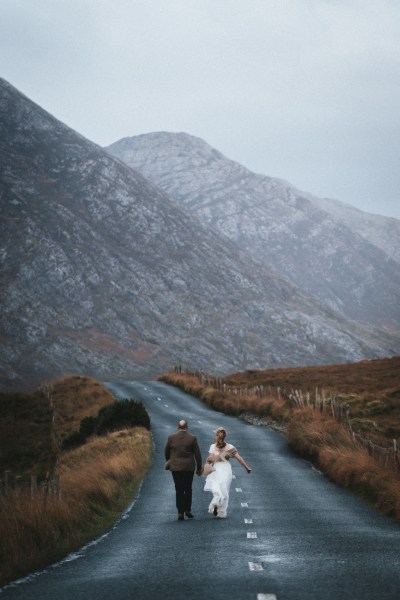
{"x":103,"y":274}
{"x":346,"y":258}
{"x":367,"y":377}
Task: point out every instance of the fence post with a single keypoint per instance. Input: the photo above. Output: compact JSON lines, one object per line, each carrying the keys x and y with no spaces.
{"x":17,"y":486}
{"x":6,"y":474}
{"x":33,"y":485}
{"x":333,"y":406}
{"x":396,"y":457}
{"x":58,"y":486}
{"x":373,"y":448}
{"x":348,"y":419}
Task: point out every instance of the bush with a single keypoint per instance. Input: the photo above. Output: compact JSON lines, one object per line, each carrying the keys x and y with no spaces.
{"x":119,"y":415}
{"x":73,"y":440}
{"x":124,"y":413}
{"x":88,"y":426}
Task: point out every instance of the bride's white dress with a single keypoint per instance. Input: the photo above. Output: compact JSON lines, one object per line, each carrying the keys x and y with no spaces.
{"x":219,"y":482}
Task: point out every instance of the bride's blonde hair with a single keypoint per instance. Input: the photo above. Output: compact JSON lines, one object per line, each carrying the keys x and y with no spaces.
{"x":220,"y":436}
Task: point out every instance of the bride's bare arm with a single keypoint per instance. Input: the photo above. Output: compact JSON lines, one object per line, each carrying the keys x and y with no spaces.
{"x":242,"y":462}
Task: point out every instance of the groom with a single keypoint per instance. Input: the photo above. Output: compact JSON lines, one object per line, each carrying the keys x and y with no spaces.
{"x":184,"y":456}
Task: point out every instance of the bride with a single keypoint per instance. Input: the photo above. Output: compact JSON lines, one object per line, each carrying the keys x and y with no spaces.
{"x":218,"y":482}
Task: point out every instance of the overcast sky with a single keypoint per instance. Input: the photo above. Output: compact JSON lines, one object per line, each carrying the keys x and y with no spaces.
{"x":305,"y":90}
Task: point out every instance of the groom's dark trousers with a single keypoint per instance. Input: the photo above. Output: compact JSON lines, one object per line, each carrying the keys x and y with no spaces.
{"x":183,"y":486}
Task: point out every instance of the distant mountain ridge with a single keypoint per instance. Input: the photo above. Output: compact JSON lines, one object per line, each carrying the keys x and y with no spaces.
{"x":347,"y":258}
{"x":101,"y":273}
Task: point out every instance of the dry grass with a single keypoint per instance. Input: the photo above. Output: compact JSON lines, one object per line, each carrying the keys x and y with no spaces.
{"x":35,"y":532}
{"x":229,"y":403}
{"x":189,"y":383}
{"x":76,"y":397}
{"x":336,"y":453}
{"x":367,"y":378}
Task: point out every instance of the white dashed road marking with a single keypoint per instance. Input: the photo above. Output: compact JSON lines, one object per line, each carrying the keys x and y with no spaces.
{"x":255,"y":566}
{"x":266,"y":597}
{"x":233,"y":476}
{"x":159,"y":399}
{"x":251,"y":534}
{"x":248,"y":521}
{"x":244,"y":505}
{"x":239,"y":489}
{"x":166,"y":405}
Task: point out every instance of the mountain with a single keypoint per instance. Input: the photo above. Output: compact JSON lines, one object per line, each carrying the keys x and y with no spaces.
{"x":102,"y":273}
{"x":347,"y":258}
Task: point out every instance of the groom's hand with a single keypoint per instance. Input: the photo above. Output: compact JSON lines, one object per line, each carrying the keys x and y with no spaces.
{"x":199,"y":471}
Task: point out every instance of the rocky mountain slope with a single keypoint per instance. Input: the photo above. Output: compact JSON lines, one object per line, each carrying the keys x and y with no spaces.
{"x":347,"y":258}
{"x":101,"y":273}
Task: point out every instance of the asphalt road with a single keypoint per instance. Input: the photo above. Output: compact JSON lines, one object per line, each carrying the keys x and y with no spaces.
{"x":290,"y":533}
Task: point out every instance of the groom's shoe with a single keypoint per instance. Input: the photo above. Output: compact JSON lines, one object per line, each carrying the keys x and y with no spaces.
{"x":181,"y":517}
{"x":189,"y":514}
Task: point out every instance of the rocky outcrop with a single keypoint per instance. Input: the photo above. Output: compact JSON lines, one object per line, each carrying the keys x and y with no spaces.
{"x":346,"y":258}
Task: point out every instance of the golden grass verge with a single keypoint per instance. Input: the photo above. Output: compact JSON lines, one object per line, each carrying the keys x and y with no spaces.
{"x":317,"y":436}
{"x":230,"y":404}
{"x":343,"y":460}
{"x":35,"y":532}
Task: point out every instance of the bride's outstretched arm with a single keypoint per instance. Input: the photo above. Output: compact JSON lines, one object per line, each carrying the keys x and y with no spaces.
{"x":242,"y":462}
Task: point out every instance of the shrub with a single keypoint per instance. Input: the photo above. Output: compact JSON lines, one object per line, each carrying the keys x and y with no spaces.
{"x":124,"y":413}
{"x":88,"y":426}
{"x":119,"y":415}
{"x":73,"y":440}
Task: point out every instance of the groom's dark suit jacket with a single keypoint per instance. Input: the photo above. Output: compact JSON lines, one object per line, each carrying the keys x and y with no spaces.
{"x":183,"y":452}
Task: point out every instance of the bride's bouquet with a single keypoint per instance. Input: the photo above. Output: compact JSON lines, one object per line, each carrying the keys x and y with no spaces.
{"x":208,"y":468}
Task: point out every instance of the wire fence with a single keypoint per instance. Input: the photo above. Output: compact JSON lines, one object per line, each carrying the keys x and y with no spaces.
{"x":386,"y":456}
{"x":327,"y":404}
{"x":24,"y":485}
